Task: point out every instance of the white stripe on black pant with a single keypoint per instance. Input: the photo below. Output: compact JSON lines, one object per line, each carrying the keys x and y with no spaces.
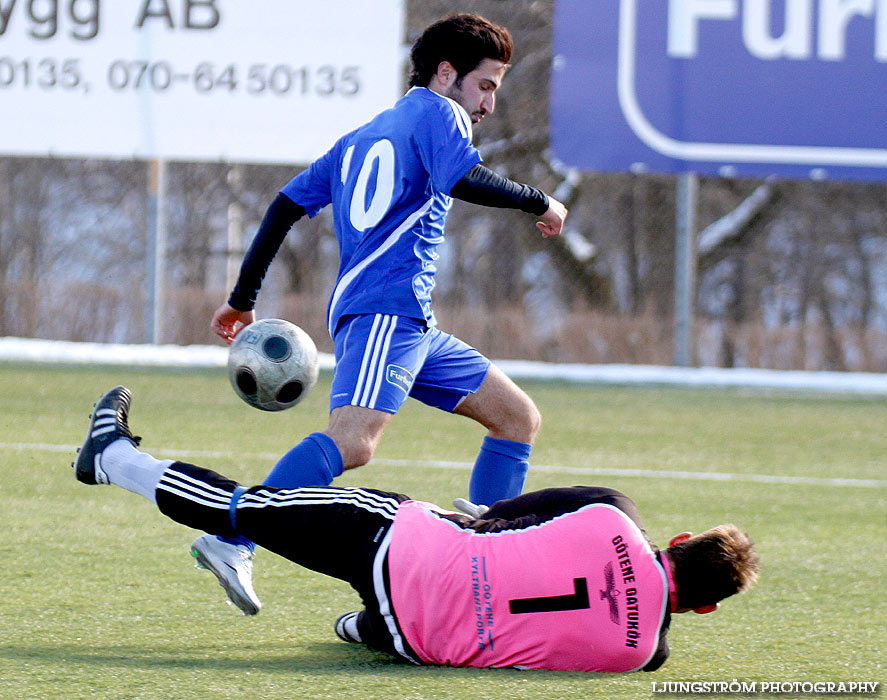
{"x":334,"y":531}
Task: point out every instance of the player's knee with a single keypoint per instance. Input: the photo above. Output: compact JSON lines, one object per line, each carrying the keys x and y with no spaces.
{"x":521,"y":424}
{"x":538,"y":421}
{"x":356,"y":432}
{"x":532,"y":421}
{"x":357,"y":453}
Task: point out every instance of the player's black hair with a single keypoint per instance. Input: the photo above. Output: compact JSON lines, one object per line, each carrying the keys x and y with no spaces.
{"x":462,"y":39}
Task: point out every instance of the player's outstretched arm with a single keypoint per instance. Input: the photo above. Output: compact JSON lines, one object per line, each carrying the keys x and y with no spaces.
{"x":480,"y":185}
{"x":553,"y":220}
{"x":227,"y":321}
{"x":278,"y":219}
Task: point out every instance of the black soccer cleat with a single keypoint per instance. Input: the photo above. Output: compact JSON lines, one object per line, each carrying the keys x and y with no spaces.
{"x":346,"y":627}
{"x":108,"y":423}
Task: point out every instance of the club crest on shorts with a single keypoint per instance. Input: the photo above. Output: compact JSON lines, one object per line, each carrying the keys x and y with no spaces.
{"x":399,"y":377}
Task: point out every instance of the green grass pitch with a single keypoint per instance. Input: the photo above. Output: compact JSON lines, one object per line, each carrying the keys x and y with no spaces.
{"x":99,"y":598}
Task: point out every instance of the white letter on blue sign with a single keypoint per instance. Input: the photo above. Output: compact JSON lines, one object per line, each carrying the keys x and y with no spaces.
{"x":834,"y":15}
{"x":683,"y":23}
{"x":796,"y":39}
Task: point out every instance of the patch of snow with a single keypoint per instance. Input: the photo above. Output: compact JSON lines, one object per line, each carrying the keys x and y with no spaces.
{"x":65,"y":352}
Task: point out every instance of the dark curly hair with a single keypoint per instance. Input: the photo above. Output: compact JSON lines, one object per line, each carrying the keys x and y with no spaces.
{"x":462,"y":39}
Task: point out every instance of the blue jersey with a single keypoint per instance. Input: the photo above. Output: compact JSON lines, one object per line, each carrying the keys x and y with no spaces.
{"x":389,"y":183}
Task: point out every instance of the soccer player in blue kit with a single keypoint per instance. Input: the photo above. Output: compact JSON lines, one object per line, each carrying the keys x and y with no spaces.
{"x":391,"y":184}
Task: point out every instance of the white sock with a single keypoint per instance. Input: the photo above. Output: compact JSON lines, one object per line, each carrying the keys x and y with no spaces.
{"x":134,"y":470}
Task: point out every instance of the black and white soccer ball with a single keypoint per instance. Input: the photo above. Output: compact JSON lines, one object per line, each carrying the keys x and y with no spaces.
{"x":272,"y":364}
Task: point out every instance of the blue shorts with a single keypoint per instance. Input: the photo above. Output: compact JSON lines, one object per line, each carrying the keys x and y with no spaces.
{"x":382,"y":359}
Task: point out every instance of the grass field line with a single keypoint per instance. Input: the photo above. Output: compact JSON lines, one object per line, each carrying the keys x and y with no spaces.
{"x":549,"y":469}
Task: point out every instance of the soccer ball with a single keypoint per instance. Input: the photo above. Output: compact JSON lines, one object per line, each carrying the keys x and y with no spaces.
{"x":272,"y":364}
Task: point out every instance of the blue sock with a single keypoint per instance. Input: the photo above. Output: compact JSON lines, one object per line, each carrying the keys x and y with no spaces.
{"x":315,"y":461}
{"x":500,"y":471}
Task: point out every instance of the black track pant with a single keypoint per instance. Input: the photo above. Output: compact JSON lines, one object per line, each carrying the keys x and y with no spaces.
{"x":334,"y":531}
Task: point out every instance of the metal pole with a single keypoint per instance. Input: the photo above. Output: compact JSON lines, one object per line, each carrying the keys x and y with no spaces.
{"x":685,"y":269}
{"x":235,"y":227}
{"x":156,"y":253}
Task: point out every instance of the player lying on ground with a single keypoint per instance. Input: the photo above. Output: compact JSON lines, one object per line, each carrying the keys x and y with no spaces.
{"x":560,"y":579}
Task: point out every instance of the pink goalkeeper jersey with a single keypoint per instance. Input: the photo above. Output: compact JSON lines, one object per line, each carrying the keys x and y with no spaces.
{"x":581,"y":592}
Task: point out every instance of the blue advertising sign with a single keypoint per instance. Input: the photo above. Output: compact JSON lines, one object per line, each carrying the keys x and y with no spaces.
{"x":796,"y":88}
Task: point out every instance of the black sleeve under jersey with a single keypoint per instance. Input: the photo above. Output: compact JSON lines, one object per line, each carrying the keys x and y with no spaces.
{"x":480,"y":185}
{"x":549,"y":503}
{"x":278,"y":219}
{"x":537,"y":507}
{"x":662,"y":649}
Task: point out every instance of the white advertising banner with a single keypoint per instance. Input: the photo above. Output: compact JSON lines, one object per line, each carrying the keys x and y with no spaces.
{"x":273,"y":81}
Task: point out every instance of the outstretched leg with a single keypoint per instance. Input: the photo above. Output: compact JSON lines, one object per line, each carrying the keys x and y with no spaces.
{"x":334,"y":531}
